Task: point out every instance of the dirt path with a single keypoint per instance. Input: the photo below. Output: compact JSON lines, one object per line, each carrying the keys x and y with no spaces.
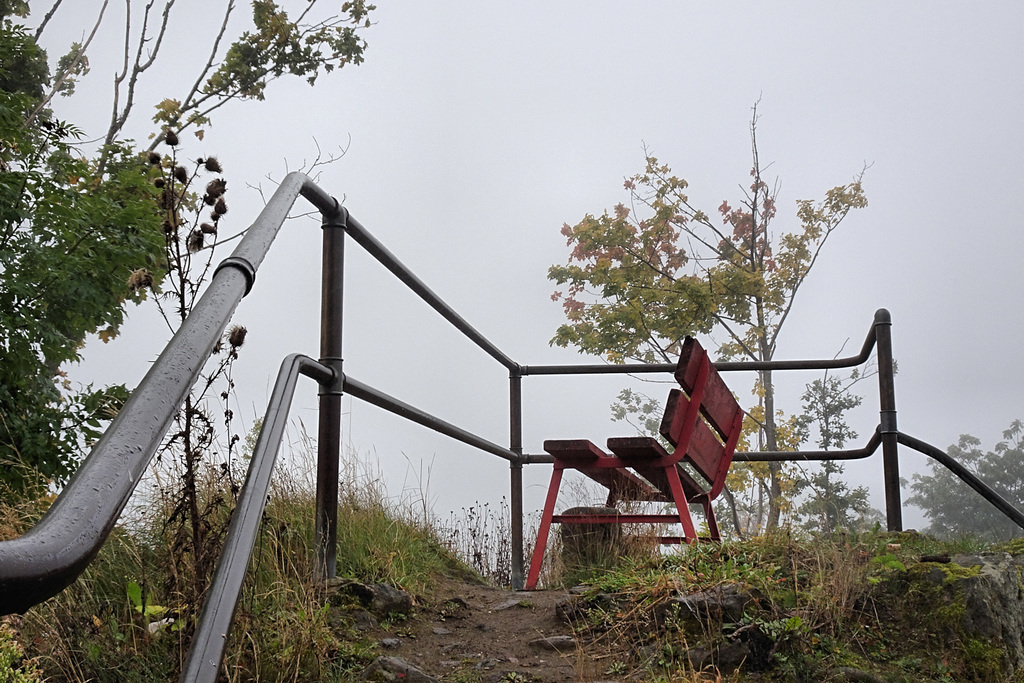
{"x":472,"y":632}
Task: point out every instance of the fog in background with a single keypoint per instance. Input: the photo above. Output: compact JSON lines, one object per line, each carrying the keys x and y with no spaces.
{"x":474,"y":130}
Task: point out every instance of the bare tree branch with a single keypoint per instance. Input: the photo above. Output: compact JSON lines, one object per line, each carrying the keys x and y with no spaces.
{"x":70,"y":69}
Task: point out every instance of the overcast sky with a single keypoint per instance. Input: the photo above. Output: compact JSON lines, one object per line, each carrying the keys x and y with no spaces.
{"x":474,"y":130}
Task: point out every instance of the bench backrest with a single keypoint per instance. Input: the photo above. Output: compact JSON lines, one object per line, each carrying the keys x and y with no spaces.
{"x":712,"y":440}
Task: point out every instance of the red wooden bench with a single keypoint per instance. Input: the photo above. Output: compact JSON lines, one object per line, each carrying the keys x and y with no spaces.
{"x":702,"y":422}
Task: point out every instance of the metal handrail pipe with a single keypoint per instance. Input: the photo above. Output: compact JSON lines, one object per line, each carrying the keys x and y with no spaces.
{"x":368,"y":242}
{"x":766,"y":456}
{"x":811,"y":456}
{"x":599,"y":369}
{"x":329,"y":207}
{"x":52,"y":554}
{"x":378,"y":398}
{"x":968,"y":477}
{"x":881,"y":316}
{"x":721,"y":366}
{"x":210,"y":640}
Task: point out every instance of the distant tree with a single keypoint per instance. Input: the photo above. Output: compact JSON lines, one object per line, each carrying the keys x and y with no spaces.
{"x":829,"y":504}
{"x":639,"y":411}
{"x":955,"y":509}
{"x":637,"y":285}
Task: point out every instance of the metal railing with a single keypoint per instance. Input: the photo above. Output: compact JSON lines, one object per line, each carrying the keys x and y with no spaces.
{"x":53,"y":553}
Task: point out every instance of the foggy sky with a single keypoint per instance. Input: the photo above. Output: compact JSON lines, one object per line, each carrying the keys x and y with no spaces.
{"x":474,"y":130}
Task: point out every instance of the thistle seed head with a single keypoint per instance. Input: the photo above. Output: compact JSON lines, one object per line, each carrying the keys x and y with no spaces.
{"x":140,"y":279}
{"x":216,"y":187}
{"x":236,"y":336}
{"x":168,"y":199}
{"x":195,"y":241}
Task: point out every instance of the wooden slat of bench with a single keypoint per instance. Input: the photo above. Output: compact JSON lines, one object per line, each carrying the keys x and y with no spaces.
{"x":621,"y":484}
{"x":640,"y":452}
{"x":718,"y":404}
{"x":574,"y":450}
{"x":705,"y":451}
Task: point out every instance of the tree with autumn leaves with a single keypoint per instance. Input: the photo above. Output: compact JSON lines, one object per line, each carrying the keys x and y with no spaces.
{"x":658,"y":268}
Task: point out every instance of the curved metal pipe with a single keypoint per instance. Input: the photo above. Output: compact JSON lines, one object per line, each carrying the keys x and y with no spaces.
{"x":968,"y":477}
{"x":809,"y":456}
{"x":52,"y":554}
{"x":881,"y":316}
{"x":211,"y":636}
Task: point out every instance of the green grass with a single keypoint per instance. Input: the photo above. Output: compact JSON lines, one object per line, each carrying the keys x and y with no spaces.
{"x":108,"y":625}
{"x":817,"y":607}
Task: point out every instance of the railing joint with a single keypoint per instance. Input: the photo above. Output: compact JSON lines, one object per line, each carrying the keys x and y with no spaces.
{"x":248,"y":270}
{"x":337,"y":384}
{"x":336,"y":218}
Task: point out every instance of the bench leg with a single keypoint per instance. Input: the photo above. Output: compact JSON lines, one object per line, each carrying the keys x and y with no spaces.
{"x":709,"y":513}
{"x":542,"y":531}
{"x":682,"y":506}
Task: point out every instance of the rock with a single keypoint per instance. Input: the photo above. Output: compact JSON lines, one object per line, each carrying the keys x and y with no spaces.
{"x":438,"y":631}
{"x":575,"y":608}
{"x":509,"y":604}
{"x":390,"y":643}
{"x":941,"y":558}
{"x":585,"y":545}
{"x":728,"y":656}
{"x":502,"y":676}
{"x":389,"y":600}
{"x":993,"y":599}
{"x":379,"y":598}
{"x":556,"y":643}
{"x":455,"y":608}
{"x":853,"y":675}
{"x":339,"y":586}
{"x":722,"y":604}
{"x":365,"y":621}
{"x":390,"y":669}
{"x":487,"y":664}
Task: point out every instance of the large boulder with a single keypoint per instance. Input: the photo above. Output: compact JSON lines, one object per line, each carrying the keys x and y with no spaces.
{"x":993,"y":603}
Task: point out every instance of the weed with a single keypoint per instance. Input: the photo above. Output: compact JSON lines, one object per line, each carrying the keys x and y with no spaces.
{"x":13,"y":666}
{"x":113,"y":624}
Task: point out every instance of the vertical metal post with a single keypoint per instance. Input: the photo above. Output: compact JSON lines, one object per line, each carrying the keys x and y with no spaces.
{"x":329,"y":432}
{"x":516,"y":471}
{"x":887,"y":418}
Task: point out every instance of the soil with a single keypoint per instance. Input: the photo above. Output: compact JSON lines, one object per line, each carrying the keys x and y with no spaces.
{"x":472,"y":632}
